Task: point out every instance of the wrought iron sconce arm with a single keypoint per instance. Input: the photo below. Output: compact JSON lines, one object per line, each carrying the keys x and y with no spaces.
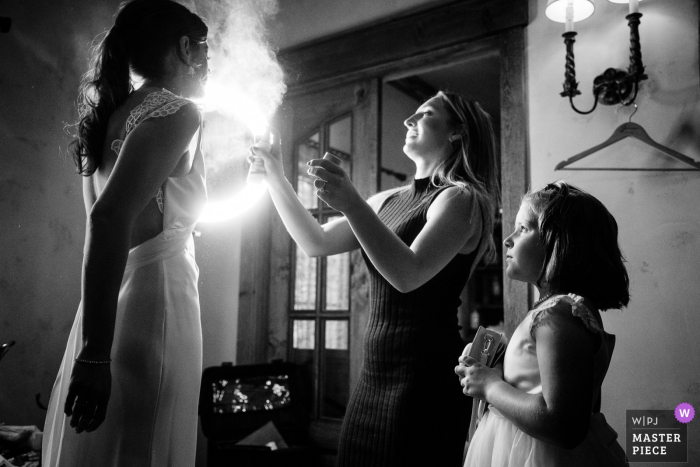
{"x":614,"y":86}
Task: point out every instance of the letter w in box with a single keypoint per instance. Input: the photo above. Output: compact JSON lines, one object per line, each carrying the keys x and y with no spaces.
{"x":488,"y":347}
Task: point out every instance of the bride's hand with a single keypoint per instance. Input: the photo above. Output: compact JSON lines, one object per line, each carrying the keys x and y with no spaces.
{"x":88,"y":395}
{"x":271,"y":154}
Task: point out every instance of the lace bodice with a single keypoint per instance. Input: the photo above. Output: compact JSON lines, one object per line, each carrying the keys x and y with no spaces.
{"x":156,"y":104}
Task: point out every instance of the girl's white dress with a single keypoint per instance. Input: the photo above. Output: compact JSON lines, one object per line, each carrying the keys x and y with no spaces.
{"x":499,"y":443}
{"x":157,"y":351}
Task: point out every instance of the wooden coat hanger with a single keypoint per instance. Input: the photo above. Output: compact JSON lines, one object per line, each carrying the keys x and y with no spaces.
{"x":630,"y":130}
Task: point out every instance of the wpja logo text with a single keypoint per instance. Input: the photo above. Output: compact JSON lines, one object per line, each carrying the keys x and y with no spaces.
{"x":656,"y":436}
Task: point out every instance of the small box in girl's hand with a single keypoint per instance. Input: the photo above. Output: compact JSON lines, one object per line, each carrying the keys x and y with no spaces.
{"x":488,"y":347}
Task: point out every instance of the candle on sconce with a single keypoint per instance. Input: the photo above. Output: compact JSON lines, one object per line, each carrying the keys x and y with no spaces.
{"x":569,"y":16}
{"x":634,"y":6}
{"x":569,"y":12}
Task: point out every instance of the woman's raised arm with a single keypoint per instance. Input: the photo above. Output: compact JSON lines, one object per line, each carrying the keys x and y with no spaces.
{"x":314,"y":239}
{"x":452,"y":226}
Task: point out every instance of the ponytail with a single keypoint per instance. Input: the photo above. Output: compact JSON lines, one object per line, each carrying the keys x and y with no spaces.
{"x":104,"y":88}
{"x":143,"y":33}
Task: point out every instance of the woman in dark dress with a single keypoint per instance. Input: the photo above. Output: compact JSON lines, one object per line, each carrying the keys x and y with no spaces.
{"x":421,"y":243}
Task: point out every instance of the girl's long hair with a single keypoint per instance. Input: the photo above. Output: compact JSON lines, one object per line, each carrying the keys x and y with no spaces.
{"x":144,"y":32}
{"x":472,"y":166}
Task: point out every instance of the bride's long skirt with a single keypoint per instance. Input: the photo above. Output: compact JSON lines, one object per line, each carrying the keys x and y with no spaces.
{"x":156,"y":369}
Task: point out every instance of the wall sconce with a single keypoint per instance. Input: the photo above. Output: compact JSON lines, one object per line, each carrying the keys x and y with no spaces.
{"x":614,"y":86}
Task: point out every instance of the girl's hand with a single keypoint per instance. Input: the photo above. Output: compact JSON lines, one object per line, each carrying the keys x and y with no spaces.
{"x":88,"y":395}
{"x":465,"y":354}
{"x":333,"y":185}
{"x":476,"y":378}
{"x":271,"y":154}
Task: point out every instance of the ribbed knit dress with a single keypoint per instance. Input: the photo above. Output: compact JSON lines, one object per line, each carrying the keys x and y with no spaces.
{"x":408,"y":407}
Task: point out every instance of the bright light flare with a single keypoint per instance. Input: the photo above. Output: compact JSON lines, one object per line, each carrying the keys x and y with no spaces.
{"x":230,"y":101}
{"x":240,"y":203}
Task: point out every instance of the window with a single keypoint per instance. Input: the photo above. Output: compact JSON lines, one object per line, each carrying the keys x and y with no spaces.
{"x":320,"y":307}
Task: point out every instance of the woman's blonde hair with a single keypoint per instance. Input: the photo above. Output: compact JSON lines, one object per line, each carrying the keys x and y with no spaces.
{"x":472,"y":166}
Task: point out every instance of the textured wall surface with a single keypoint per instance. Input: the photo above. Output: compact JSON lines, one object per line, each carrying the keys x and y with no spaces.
{"x":656,"y":364}
{"x":42,"y":227}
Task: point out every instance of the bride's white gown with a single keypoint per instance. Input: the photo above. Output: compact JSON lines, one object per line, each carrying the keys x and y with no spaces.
{"x":157,"y":352}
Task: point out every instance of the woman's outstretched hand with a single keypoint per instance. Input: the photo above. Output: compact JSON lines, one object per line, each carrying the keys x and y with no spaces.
{"x":333,"y":185}
{"x":475,"y":377}
{"x":271,"y":154}
{"x":88,"y":395}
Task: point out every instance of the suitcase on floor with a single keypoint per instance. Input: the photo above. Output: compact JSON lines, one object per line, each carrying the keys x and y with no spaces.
{"x":235,"y":401}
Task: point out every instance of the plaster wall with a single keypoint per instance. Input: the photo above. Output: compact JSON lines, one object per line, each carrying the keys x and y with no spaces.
{"x":43,"y":218}
{"x":656,"y":364}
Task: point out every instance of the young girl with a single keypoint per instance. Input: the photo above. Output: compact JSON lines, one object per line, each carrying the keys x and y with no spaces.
{"x":544,"y":404}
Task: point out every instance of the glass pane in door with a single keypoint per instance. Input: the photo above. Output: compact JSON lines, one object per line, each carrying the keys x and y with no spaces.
{"x":335,"y":368}
{"x":304,"y":281}
{"x":338,"y":282}
{"x":304,"y":334}
{"x":307,"y":150}
{"x":302,"y":351}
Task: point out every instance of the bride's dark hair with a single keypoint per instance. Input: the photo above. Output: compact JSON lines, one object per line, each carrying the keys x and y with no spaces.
{"x":144,"y":31}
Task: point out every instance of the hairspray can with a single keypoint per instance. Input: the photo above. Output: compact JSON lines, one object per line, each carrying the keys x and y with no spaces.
{"x":330,"y":157}
{"x":256,"y":172}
